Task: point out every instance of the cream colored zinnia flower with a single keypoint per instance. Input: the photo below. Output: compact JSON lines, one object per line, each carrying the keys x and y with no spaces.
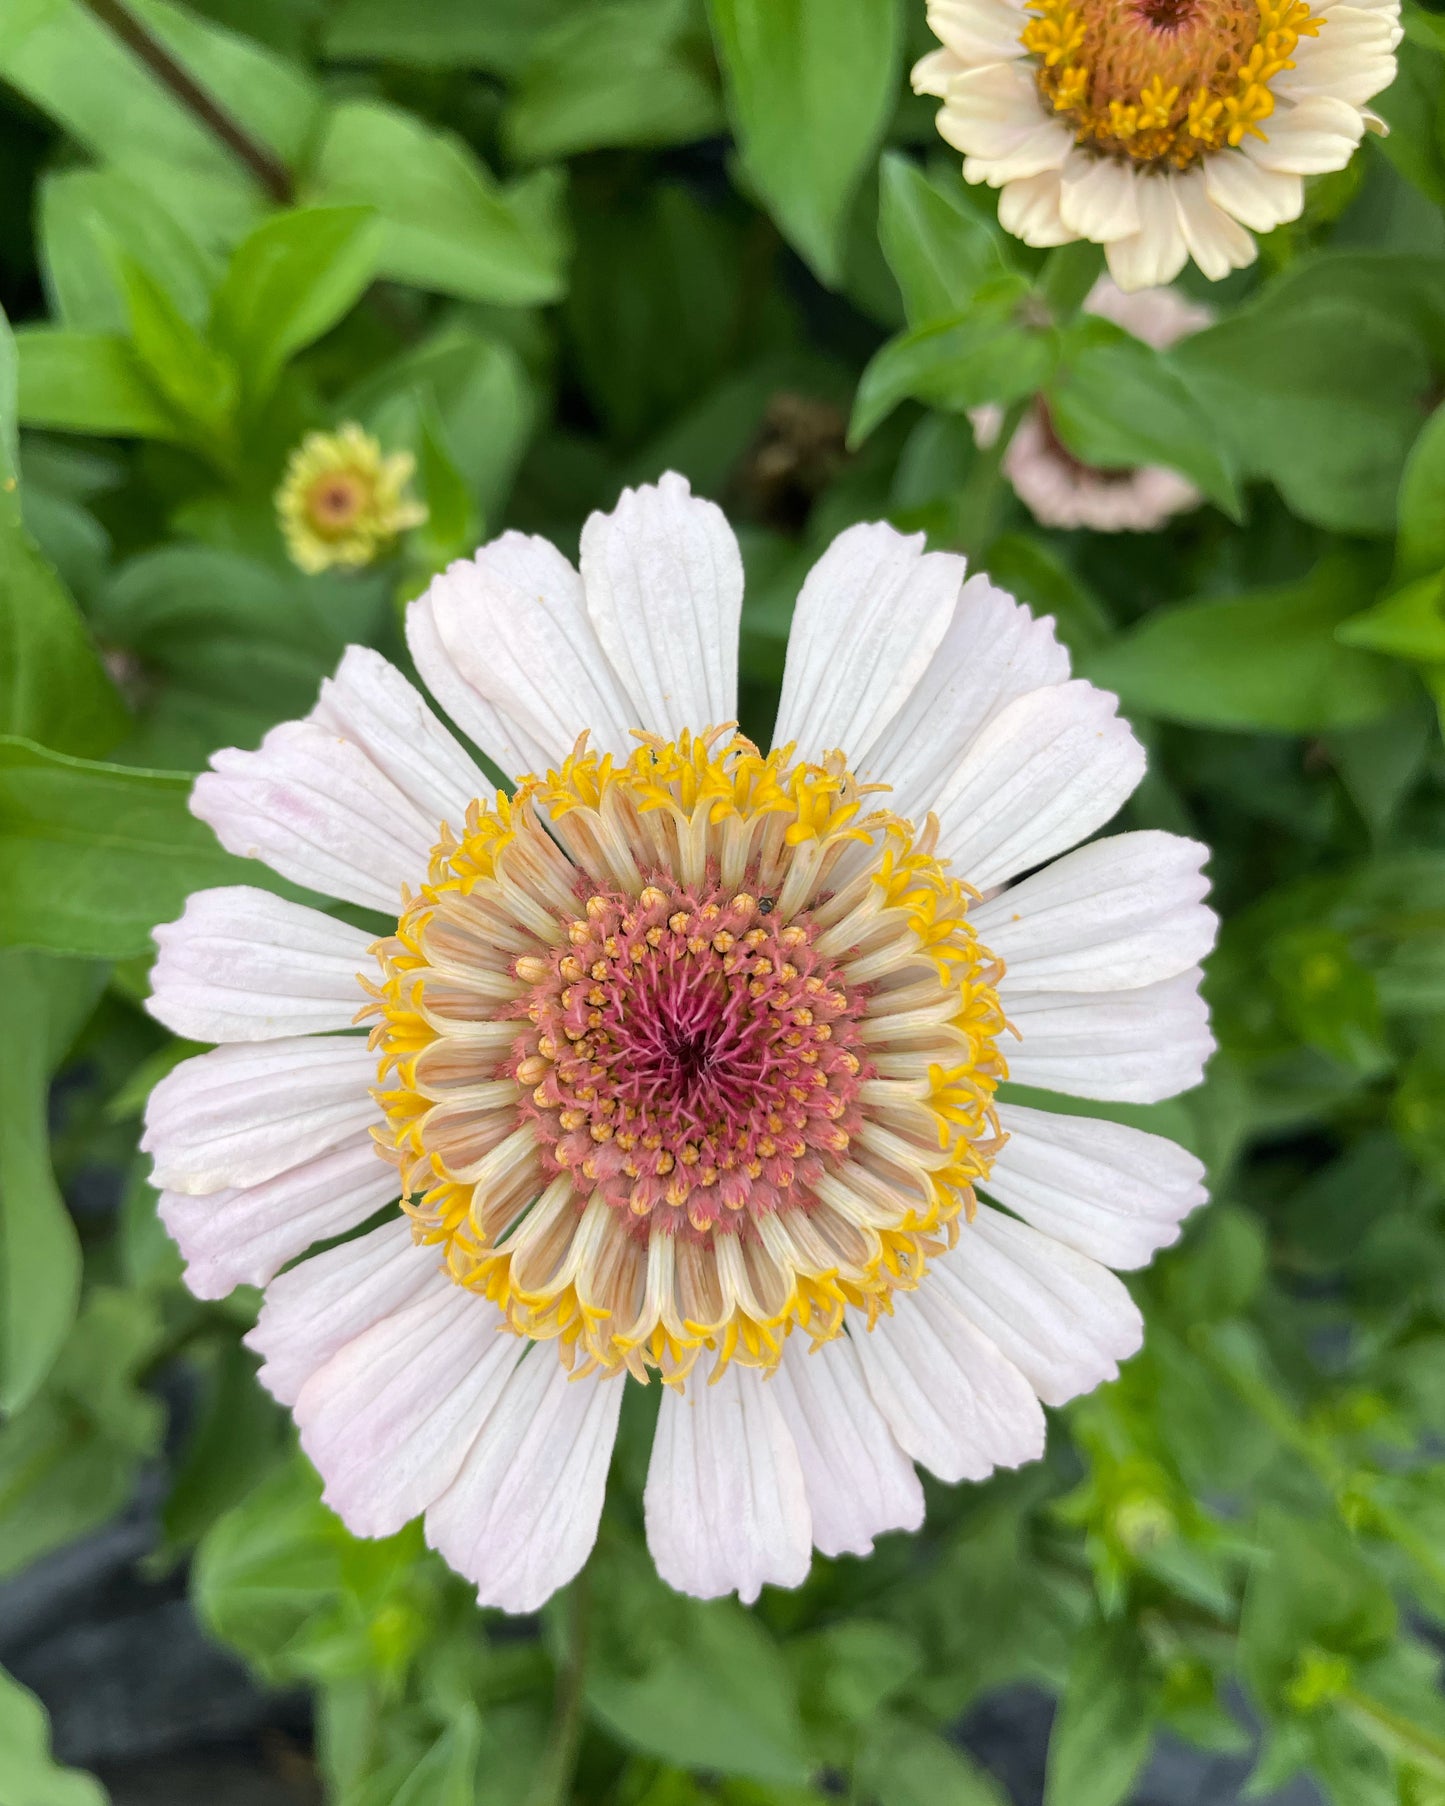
{"x":1056,"y":487}
{"x":683,"y":1056}
{"x":342,"y":500}
{"x":1160,"y":129}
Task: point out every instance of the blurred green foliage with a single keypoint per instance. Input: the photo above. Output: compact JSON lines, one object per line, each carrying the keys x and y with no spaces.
{"x":550,"y":247}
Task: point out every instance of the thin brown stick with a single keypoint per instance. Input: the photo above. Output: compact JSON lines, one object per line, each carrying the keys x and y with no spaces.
{"x":263,"y":162}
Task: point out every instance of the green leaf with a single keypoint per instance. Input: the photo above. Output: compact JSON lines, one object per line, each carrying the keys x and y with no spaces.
{"x":32,"y":1775}
{"x":616,"y":72}
{"x":939,"y":250}
{"x":53,"y":687}
{"x":76,"y":70}
{"x":1269,"y":659}
{"x":1421,"y":543}
{"x":902,"y":1764}
{"x":68,"y":1459}
{"x":1317,"y":392}
{"x":810,"y":86}
{"x":699,"y":1684}
{"x":959,"y":362}
{"x":279,"y":1578}
{"x":500,"y":37}
{"x":1408,"y":624}
{"x":88,"y":220}
{"x":447,"y":223}
{"x":1105,"y":1722}
{"x":238,"y":1438}
{"x":92,"y":856}
{"x":478,"y":392}
{"x":1310,"y":1586}
{"x":46,"y":1002}
{"x":233,"y":645}
{"x":1117,"y":403}
{"x":197,"y":381}
{"x":90,"y":382}
{"x":292,"y":280}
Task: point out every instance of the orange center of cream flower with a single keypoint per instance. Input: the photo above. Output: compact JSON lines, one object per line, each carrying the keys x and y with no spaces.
{"x":688,"y":1052}
{"x":1164,"y":81}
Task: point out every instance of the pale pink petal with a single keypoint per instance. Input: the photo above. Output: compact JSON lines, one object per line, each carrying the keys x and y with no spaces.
{"x":663,"y":579}
{"x":1063,"y":1320}
{"x":244,"y":1237}
{"x":371,"y":704}
{"x":726,"y":1503}
{"x":521,"y":1516}
{"x":1113,"y":915}
{"x":1044,"y":773}
{"x":245,"y":965}
{"x":390,"y":1418}
{"x":1114,"y":1193}
{"x":992,"y":652}
{"x":858,"y":1481}
{"x":316,"y":809}
{"x":1133,"y":1046}
{"x":954,"y":1402}
{"x":313,"y":1310}
{"x":242,"y":1114}
{"x":871,"y":614}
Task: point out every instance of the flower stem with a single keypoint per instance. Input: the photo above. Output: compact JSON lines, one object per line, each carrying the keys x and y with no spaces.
{"x":263,"y":163}
{"x":553,"y":1784}
{"x":976,"y":521}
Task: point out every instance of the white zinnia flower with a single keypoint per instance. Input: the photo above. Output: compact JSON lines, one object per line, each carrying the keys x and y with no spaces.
{"x":1055,"y":486}
{"x":684,"y":1056}
{"x":1160,"y":129}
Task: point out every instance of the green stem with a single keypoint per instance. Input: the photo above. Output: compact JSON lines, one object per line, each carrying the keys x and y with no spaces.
{"x":1394,"y":1733}
{"x":553,"y":1784}
{"x":263,"y":163}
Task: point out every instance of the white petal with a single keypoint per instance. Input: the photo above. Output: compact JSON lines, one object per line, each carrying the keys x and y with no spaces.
{"x":521,"y":1516}
{"x":1114,"y":1193}
{"x":313,"y":1310}
{"x":243,"y":965}
{"x":992,"y":115}
{"x":871,"y":613}
{"x":1259,"y":198}
{"x":244,"y":1237}
{"x":993,"y":651}
{"x":370,"y":703}
{"x":1097,"y":199}
{"x":1352,"y":59}
{"x":858,"y":1481}
{"x":1050,"y":768}
{"x":1115,"y":914}
{"x":501,"y":739}
{"x":316,"y":809}
{"x":513,"y":622}
{"x":931,"y":74}
{"x":1217,"y":243}
{"x":1134,"y":1046}
{"x":242,"y":1114}
{"x":664,"y":583}
{"x":726,"y":1503}
{"x":1030,"y":208}
{"x":977,"y":31}
{"x":1157,"y":252}
{"x":1316,"y":135}
{"x":950,"y":1397}
{"x":389,"y":1419}
{"x":1064,"y":1321}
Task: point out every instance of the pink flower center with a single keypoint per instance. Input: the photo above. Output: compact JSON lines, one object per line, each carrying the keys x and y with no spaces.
{"x":693,"y":1062}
